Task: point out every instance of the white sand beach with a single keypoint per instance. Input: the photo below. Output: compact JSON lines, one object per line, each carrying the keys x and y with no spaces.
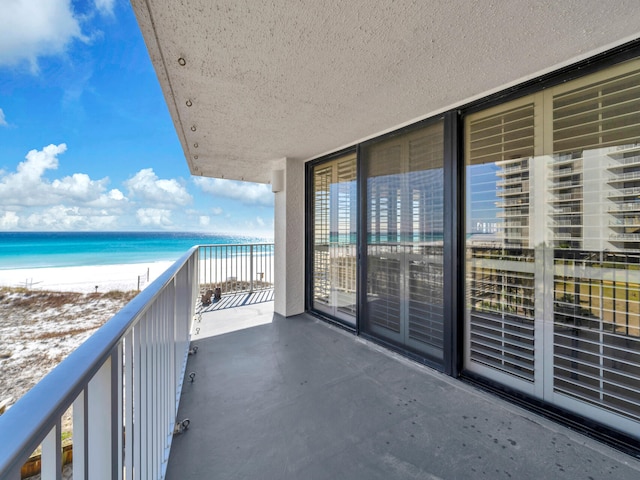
{"x":85,"y":279}
{"x":39,"y":331}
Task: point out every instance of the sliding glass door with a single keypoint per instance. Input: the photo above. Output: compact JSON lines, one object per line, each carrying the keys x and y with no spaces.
{"x":404,"y":241}
{"x":553,"y":245}
{"x":334,"y":202}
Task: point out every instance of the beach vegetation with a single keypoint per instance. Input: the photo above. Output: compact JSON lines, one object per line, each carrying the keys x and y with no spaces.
{"x":39,"y":328}
{"x":114,"y":295}
{"x":21,"y":297}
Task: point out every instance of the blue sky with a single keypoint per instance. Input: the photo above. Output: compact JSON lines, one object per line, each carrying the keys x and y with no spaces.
{"x":86,"y":140}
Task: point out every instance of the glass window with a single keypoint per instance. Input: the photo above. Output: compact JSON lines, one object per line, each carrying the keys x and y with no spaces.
{"x":334,"y":238}
{"x":500,"y":247}
{"x":404,"y":218}
{"x":553,"y":244}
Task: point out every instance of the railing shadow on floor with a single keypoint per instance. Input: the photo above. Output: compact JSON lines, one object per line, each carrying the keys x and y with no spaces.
{"x":233,"y":300}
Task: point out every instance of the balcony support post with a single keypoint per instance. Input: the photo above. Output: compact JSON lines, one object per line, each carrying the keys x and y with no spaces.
{"x":289,"y":241}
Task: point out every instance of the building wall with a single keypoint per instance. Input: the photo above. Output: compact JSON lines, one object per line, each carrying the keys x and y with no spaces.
{"x":551,"y":280}
{"x":289,"y":241}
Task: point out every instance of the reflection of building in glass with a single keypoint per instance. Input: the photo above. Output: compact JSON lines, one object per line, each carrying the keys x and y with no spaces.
{"x":624,"y":197}
{"x":608,"y":216}
{"x":553,"y":305}
{"x":513,"y":190}
{"x":405,"y":256}
{"x":566,"y":200}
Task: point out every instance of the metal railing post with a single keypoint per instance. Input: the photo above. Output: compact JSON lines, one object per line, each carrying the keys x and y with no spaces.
{"x":250,"y":268}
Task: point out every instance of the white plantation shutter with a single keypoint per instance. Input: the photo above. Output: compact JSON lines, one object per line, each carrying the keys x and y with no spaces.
{"x":500,"y":293}
{"x":601,"y":114}
{"x":596,"y":336}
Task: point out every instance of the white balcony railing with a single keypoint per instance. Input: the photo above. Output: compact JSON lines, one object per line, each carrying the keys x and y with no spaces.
{"x":128,"y":375}
{"x":236,"y":268}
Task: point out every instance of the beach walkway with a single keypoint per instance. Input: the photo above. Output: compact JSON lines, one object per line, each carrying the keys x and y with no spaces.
{"x":293,"y":398}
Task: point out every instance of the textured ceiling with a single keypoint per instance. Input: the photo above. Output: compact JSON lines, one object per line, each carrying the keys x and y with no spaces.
{"x":297,"y":79}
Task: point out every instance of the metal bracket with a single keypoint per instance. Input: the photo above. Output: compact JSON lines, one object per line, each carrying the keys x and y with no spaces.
{"x":192,"y":376}
{"x":181,"y":427}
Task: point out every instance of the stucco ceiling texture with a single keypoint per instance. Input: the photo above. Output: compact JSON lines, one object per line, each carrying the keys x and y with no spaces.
{"x":274,"y":79}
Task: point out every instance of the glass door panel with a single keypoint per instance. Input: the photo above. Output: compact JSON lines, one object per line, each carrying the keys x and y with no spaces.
{"x":334,"y":238}
{"x":502,"y":260}
{"x":553,"y":245}
{"x":404,"y":217}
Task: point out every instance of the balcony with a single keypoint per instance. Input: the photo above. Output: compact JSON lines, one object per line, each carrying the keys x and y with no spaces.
{"x":295,"y":398}
{"x":274,"y":397}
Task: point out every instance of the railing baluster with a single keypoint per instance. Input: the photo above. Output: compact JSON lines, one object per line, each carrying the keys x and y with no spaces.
{"x":136,"y":407}
{"x":80,"y":439}
{"x":164,"y":417}
{"x":128,"y":406}
{"x":232,"y":262}
{"x":250,"y":268}
{"x":100,"y":434}
{"x":164,"y":420}
{"x":116,"y":411}
{"x":153,"y":393}
{"x":52,"y":454}
{"x":143,"y":405}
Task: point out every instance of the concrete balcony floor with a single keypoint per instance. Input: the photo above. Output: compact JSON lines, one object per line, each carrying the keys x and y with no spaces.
{"x":296,"y":398}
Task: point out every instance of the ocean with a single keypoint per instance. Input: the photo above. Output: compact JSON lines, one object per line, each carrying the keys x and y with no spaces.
{"x":73,"y":249}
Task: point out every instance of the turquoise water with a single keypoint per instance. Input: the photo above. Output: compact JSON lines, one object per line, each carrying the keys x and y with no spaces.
{"x":71,"y":249}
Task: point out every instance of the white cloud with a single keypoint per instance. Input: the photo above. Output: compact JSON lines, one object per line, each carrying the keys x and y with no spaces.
{"x":248,"y":193}
{"x":105,"y":7}
{"x":9,"y":221}
{"x":77,"y":202}
{"x":116,"y":194}
{"x":3,"y":120}
{"x":27,"y":186}
{"x":38,"y":161}
{"x":154,"y":217}
{"x":60,"y":217}
{"x":37,"y":28}
{"x":33,"y":197}
{"x":146,"y":186}
{"x":80,"y":187}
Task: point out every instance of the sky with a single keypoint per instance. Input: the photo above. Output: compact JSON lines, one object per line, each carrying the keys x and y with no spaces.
{"x":86,"y":139}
